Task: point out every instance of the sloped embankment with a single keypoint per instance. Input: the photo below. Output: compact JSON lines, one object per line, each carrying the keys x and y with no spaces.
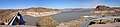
{"x":73,"y":23}
{"x":46,"y":21}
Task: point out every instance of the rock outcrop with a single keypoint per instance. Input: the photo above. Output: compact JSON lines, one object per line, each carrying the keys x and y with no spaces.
{"x":105,"y":10}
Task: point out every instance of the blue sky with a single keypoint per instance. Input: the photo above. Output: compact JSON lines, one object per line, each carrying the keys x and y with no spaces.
{"x":56,"y":3}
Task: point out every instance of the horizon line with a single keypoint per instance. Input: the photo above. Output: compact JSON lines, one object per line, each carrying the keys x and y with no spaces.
{"x":57,"y":8}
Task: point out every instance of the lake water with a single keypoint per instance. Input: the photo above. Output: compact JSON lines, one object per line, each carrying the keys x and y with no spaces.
{"x":61,"y":17}
{"x":71,"y":15}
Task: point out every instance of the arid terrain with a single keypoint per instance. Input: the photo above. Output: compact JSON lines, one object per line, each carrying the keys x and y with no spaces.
{"x":46,"y":17}
{"x":6,"y":15}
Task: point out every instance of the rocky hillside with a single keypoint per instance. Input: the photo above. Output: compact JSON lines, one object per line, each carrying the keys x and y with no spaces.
{"x":106,"y":10}
{"x":6,"y":15}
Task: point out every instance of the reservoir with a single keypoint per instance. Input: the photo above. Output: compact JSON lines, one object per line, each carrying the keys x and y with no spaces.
{"x":61,"y":17}
{"x":71,"y":15}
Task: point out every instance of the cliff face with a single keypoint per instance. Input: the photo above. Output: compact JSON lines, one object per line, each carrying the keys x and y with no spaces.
{"x":105,"y":10}
{"x":101,"y":8}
